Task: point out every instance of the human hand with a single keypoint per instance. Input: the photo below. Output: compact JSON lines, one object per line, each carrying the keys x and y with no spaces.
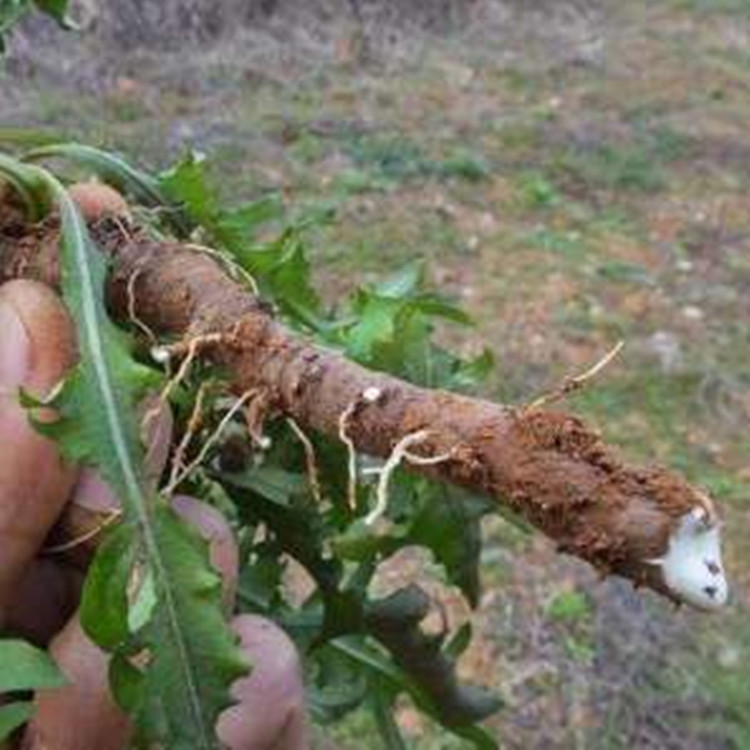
{"x":39,"y":595}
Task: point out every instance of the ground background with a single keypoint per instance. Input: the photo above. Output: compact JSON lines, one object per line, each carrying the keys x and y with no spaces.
{"x":574,"y":173}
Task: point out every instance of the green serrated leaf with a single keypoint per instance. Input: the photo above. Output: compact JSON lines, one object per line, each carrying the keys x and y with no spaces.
{"x":186,"y":184}
{"x":104,"y":604}
{"x":242,"y":223}
{"x":193,"y":654}
{"x":13,"y":716}
{"x":25,"y":667}
{"x":449,"y":524}
{"x":404,"y":283}
{"x":260,"y":581}
{"x":470,"y":373}
{"x":189,"y":607}
{"x":376,"y":326}
{"x":57,"y":9}
{"x":274,"y":484}
{"x":459,"y":642}
{"x":436,"y":307}
{"x":283,"y":272}
{"x":280,"y":268}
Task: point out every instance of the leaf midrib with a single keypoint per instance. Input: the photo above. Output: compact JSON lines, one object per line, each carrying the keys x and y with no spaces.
{"x":134,"y":493}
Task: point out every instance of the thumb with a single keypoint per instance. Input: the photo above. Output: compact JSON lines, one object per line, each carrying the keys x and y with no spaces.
{"x":36,"y":349}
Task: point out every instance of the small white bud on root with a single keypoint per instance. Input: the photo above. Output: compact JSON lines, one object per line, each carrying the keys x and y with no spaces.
{"x":692,"y":566}
{"x":160,"y":354}
{"x":371,"y":394}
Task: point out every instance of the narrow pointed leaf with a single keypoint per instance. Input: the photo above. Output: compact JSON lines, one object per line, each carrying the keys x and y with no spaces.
{"x":116,"y":171}
{"x":193,"y":656}
{"x":57,"y":9}
{"x":27,"y":184}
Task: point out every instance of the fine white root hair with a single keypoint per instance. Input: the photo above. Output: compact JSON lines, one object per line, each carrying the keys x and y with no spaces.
{"x":193,"y":425}
{"x":210,"y":441}
{"x":351,"y":493}
{"x":310,"y":460}
{"x":399,"y":453}
{"x":574,"y":383}
{"x":692,"y":566}
{"x":133,"y":315}
{"x":235,"y":270}
{"x":164,"y":355}
{"x":255,"y":417}
{"x":113,"y":515}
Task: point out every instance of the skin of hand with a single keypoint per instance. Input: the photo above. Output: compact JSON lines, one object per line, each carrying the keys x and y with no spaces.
{"x":38,"y":596}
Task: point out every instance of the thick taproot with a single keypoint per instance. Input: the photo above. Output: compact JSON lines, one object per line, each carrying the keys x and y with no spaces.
{"x":548,"y":466}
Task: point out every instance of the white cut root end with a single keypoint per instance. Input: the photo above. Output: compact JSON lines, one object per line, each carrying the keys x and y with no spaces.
{"x":692,"y":567}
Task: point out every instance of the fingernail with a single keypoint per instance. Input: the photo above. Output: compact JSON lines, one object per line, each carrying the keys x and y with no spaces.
{"x":15,"y":348}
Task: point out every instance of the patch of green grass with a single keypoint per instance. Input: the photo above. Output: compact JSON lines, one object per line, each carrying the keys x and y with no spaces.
{"x":570,"y":244}
{"x":665,"y":144}
{"x":616,"y":168}
{"x":387,"y":242}
{"x":358,"y":181}
{"x":308,"y":149}
{"x":721,"y":664}
{"x":400,"y":159}
{"x":664,"y":403}
{"x":518,"y":139}
{"x":580,"y":649}
{"x":125,"y":109}
{"x":465,"y":165}
{"x":393,"y":157}
{"x":569,"y":607}
{"x":572,"y":611}
{"x":649,"y":414}
{"x":637,"y":164}
{"x":715,"y":6}
{"x":538,"y":192}
{"x":620,"y":271}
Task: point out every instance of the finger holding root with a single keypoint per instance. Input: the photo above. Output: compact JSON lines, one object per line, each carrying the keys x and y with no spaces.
{"x":222,"y":547}
{"x":36,"y":349}
{"x":270,"y":710}
{"x":82,"y":715}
